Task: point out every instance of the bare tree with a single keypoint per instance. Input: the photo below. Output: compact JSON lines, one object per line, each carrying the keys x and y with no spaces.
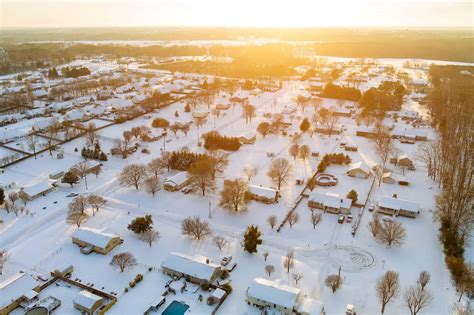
{"x":32,"y":143}
{"x":13,"y":197}
{"x":289,"y":261}
{"x":461,"y":309}
{"x":333,"y":282}
{"x":391,"y":233}
{"x":3,"y":259}
{"x":265,"y":255}
{"x":250,"y":172}
{"x":82,"y":169}
{"x":75,"y":216}
{"x":219,"y":241}
{"x":293,"y":217}
{"x":155,"y":167}
{"x":219,"y":161}
{"x":384,"y":146}
{"x":272,"y":220}
{"x":297,"y":276}
{"x":200,"y":176}
{"x":91,"y":135}
{"x":280,"y":172}
{"x":79,"y":204}
{"x":387,"y":288}
{"x":375,"y":225}
{"x":195,"y":228}
{"x":328,"y":119}
{"x":123,"y":261}
{"x":133,"y":175}
{"x":416,"y":299}
{"x":269,"y":269}
{"x":150,"y":236}
{"x":315,"y":219}
{"x":120,"y":147}
{"x":233,"y":196}
{"x":152,"y":185}
{"x":304,"y":152}
{"x":96,"y":202}
{"x":424,"y":279}
{"x":293,"y":150}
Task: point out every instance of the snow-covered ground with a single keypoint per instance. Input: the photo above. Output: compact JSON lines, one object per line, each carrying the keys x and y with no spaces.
{"x":41,"y":240}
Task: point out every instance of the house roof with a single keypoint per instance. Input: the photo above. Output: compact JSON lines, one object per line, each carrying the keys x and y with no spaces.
{"x":93,"y":237}
{"x":398,"y":204}
{"x":39,"y":188}
{"x":196,"y":266}
{"x":263,"y":191}
{"x":177,"y":179}
{"x":330,"y":200}
{"x":360,"y":166}
{"x":274,"y":292}
{"x":86,"y":299}
{"x":18,"y":285}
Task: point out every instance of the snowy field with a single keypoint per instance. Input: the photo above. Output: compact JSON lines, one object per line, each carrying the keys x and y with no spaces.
{"x":40,"y":241}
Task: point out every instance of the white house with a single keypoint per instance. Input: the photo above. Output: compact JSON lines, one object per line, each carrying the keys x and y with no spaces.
{"x":176,"y":182}
{"x":394,"y":206}
{"x":35,"y":191}
{"x":94,"y":240}
{"x":198,"y":269}
{"x":359,"y":170}
{"x":329,"y":202}
{"x":281,"y":297}
{"x":262,"y":194}
{"x":20,"y":287}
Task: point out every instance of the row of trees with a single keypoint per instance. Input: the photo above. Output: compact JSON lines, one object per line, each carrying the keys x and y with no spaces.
{"x":341,"y":92}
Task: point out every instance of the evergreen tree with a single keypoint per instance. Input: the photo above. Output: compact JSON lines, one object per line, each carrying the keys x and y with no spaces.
{"x":252,"y":238}
{"x":70,"y":178}
{"x":304,"y":125}
{"x":140,"y":225}
{"x":2,"y":196}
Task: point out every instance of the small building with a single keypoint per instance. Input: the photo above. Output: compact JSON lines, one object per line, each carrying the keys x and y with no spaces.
{"x":366,"y":132}
{"x":404,"y":161}
{"x":197,"y":269}
{"x":91,"y":240}
{"x":17,"y":289}
{"x":329,"y":202}
{"x":316,"y":87}
{"x":218,"y":295}
{"x":273,"y":294}
{"x":389,"y":178}
{"x":394,"y":206}
{"x":359,"y":170}
{"x":56,"y":175}
{"x":87,"y":302}
{"x":176,"y":182}
{"x":222,"y":106}
{"x":263,"y":194}
{"x":33,"y":192}
{"x":310,"y":306}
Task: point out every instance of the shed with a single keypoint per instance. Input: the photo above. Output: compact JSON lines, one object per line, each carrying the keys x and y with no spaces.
{"x":87,"y":302}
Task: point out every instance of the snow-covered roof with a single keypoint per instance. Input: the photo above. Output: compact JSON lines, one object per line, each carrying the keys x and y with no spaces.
{"x":360,"y":166}
{"x":177,"y":179}
{"x":86,"y":299}
{"x":263,"y":191}
{"x":93,"y":236}
{"x":274,"y":292}
{"x":18,"y":285}
{"x":218,"y":293}
{"x":37,"y":189}
{"x":196,"y":266}
{"x":330,"y":200}
{"x":398,"y":204}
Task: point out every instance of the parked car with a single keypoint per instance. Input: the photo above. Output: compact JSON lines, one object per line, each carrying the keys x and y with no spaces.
{"x":349,"y":219}
{"x":72,"y":195}
{"x":350,"y":310}
{"x":387,"y":219}
{"x":226,"y":260}
{"x":371,"y":207}
{"x":341,"y":219}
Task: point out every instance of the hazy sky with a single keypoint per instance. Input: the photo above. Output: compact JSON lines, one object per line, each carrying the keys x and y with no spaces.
{"x":263,"y":13}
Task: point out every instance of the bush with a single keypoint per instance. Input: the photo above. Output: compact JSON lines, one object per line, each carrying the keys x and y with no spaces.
{"x":341,"y":92}
{"x":227,"y":287}
{"x":181,"y":160}
{"x":132,"y":284}
{"x":214,"y":141}
{"x":205,"y":286}
{"x":210,"y":300}
{"x":160,"y":123}
{"x":126,"y":290}
{"x":138,"y":278}
{"x":224,"y":274}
